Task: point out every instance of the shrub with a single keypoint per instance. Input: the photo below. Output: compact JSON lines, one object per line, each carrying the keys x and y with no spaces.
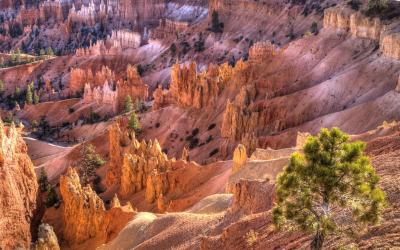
{"x":43,"y":181}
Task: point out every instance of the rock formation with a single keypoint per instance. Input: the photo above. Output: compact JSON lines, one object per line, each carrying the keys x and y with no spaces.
{"x":51,"y":10}
{"x":84,"y":215}
{"x":106,"y":89}
{"x":192,"y":89}
{"x":168,"y":28}
{"x":83,"y":211}
{"x":239,"y":158}
{"x":390,"y":45}
{"x":361,"y":26}
{"x":252,"y":196}
{"x":19,"y":190}
{"x":102,"y":95}
{"x":142,"y":166}
{"x":47,"y":239}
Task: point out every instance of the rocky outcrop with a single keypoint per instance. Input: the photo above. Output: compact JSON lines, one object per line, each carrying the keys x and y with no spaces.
{"x":398,"y":86}
{"x":47,"y":239}
{"x":51,"y":10}
{"x":268,"y":8}
{"x":239,"y":158}
{"x":189,"y":88}
{"x":162,"y":98}
{"x":142,"y":166}
{"x":390,"y":45}
{"x":102,"y":95}
{"x":168,"y":29}
{"x":262,"y":51}
{"x":83,"y":213}
{"x":18,"y":190}
{"x":357,"y":24}
{"x":103,"y":87}
{"x":252,"y":196}
{"x":361,"y":26}
{"x":240,"y":120}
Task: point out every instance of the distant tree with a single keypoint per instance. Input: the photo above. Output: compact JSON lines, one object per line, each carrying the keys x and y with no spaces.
{"x":128,"y":104}
{"x":216,"y":25}
{"x":18,"y":55}
{"x":89,"y":162}
{"x":43,"y":181}
{"x":314,"y":28}
{"x":173,"y":49}
{"x":52,"y":197}
{"x":2,"y":89}
{"x":44,"y":126}
{"x":199,"y":44}
{"x":134,"y":124}
{"x":50,"y":51}
{"x":331,"y":188}
{"x":36,"y":98}
{"x":377,"y":6}
{"x":17,"y":92}
{"x":42,"y":53}
{"x":29,"y":95}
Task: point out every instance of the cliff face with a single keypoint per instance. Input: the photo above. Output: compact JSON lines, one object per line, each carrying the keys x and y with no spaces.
{"x":361,"y":26}
{"x":358,"y":25}
{"x":84,"y":216}
{"x":18,"y":190}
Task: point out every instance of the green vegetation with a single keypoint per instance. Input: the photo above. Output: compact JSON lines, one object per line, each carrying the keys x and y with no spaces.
{"x":52,"y":197}
{"x":376,"y":7}
{"x":43,"y":181}
{"x":89,"y":162}
{"x":29,"y":94}
{"x":134,"y":124}
{"x":332,"y":179}
{"x":36,"y":98}
{"x":128,"y":104}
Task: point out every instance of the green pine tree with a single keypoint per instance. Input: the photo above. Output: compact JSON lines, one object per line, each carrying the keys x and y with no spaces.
{"x":128,"y":104}
{"x":2,"y":89}
{"x":134,"y":124}
{"x":330,"y":188}
{"x":50,"y":51}
{"x":89,"y":162}
{"x":36,"y":98}
{"x":29,"y":95}
{"x":52,"y":197}
{"x":43,"y":181}
{"x":216,"y":26}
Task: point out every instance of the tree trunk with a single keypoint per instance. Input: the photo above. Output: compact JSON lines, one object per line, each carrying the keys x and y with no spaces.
{"x":318,"y":241}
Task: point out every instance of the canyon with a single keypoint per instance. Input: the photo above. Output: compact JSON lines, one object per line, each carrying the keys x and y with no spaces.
{"x":160,"y":124}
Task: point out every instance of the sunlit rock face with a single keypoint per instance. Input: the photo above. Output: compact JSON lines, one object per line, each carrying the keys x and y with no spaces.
{"x":84,"y":215}
{"x":83,"y":210}
{"x":47,"y":239}
{"x":18,"y":190}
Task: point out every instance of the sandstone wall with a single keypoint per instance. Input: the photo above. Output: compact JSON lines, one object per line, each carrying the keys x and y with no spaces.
{"x":18,"y":190}
{"x":361,"y":26}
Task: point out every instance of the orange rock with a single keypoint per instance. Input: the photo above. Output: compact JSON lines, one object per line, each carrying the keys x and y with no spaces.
{"x":18,"y":190}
